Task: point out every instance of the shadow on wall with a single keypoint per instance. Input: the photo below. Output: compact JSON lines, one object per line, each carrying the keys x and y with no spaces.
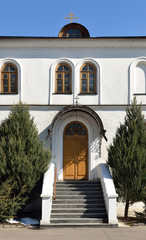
{"x":45,"y":138}
{"x":94,"y":172}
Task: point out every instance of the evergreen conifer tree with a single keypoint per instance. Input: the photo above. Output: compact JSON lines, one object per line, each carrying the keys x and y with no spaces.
{"x":127,"y":157}
{"x":11,"y":200}
{"x":22,"y":155}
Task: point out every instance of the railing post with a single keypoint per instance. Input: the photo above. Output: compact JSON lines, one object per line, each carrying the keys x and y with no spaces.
{"x":55,"y":183}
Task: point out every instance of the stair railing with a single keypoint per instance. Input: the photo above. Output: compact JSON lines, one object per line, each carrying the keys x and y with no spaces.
{"x":55,"y":183}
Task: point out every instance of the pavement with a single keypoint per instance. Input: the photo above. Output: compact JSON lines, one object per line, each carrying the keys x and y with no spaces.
{"x":121,"y":233}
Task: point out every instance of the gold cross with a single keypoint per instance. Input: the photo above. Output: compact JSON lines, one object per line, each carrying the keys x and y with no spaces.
{"x":71,"y":17}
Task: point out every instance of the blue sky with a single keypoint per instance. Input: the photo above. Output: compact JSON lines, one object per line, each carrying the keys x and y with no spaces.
{"x":46,"y":18}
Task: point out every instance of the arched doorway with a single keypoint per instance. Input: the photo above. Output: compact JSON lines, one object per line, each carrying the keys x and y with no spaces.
{"x":75,"y":152}
{"x":95,"y":132}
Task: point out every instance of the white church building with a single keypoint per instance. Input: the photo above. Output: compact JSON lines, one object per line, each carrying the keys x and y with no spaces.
{"x":77,"y":88}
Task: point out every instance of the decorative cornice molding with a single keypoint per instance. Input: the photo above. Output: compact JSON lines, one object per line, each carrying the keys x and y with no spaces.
{"x":79,"y":108}
{"x":43,"y":44}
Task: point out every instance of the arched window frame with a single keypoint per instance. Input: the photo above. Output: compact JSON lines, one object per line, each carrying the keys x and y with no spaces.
{"x":87,"y":73}
{"x":62,"y":73}
{"x":74,"y":30}
{"x":132,"y":79}
{"x":9,"y":73}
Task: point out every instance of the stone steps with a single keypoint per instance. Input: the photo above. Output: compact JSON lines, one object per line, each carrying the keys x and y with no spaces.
{"x":78,"y":220}
{"x":86,"y":193}
{"x":78,"y":215}
{"x":78,"y":206}
{"x":78,"y":203}
{"x":78,"y":210}
{"x":80,"y":225}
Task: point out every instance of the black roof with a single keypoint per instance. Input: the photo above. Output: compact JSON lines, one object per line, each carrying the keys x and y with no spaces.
{"x":58,"y":38}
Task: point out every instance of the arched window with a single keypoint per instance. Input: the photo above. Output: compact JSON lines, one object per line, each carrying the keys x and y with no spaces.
{"x":63,"y":78}
{"x":88,"y":78}
{"x":140,"y":78}
{"x":74,"y":33}
{"x":75,"y":128}
{"x":74,"y":30}
{"x":9,"y":79}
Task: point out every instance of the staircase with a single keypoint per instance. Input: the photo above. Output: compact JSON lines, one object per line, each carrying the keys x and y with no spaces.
{"x":78,"y":203}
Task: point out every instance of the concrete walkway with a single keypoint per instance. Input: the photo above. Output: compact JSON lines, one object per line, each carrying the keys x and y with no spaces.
{"x":130,"y":233}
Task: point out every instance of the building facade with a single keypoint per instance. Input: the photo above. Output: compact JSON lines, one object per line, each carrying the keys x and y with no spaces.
{"x":77,"y":88}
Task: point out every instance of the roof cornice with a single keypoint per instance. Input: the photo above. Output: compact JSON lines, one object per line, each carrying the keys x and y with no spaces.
{"x":37,"y":43}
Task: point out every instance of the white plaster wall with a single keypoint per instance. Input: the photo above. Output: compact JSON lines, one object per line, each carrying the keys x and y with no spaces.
{"x":115,"y":74}
{"x":4,"y":112}
{"x":35,"y":81}
{"x":44,"y":115}
{"x":111,"y":118}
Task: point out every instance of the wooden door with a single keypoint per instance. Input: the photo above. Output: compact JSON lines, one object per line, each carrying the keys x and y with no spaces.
{"x":75,"y":154}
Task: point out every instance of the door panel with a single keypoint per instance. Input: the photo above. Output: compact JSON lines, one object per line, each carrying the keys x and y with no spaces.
{"x":68,"y":165}
{"x":75,"y":154}
{"x":81,"y":158}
